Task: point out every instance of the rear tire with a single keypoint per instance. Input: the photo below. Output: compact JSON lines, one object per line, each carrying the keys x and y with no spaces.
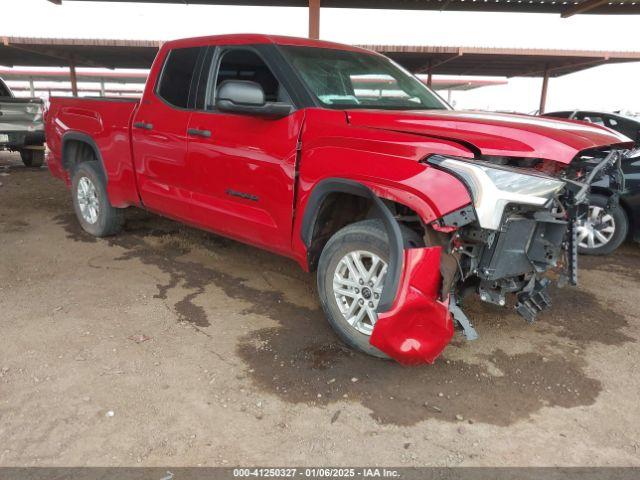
{"x":91,"y":203}
{"x":32,"y":158}
{"x":369,"y":242}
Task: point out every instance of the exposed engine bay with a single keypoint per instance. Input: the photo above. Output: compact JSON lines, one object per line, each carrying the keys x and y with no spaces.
{"x":516,"y":237}
{"x":520,"y":230}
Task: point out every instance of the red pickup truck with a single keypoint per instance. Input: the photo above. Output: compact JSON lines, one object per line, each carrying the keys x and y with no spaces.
{"x":338,"y":158}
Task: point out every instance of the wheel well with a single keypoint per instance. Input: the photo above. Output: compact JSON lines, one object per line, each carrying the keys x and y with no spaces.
{"x":339,"y":209}
{"x":76,"y":151}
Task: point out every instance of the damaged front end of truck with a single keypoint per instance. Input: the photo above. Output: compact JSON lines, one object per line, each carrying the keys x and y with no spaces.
{"x":517,"y":235}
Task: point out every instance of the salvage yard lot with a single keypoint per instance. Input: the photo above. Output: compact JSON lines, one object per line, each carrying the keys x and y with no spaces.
{"x":169,"y":346}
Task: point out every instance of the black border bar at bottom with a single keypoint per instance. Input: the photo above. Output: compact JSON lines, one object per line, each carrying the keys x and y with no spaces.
{"x":282,"y":473}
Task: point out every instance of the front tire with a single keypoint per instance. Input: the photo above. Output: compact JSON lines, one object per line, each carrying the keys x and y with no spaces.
{"x":602,"y":231}
{"x":91,"y":203}
{"x":351,"y":274}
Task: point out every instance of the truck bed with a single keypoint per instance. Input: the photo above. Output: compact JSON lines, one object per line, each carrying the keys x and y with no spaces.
{"x":105,"y":123}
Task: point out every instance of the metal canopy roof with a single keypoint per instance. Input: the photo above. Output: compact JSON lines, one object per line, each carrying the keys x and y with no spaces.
{"x":58,"y":52}
{"x":563,"y":7}
{"x":462,"y":84}
{"x":507,"y":62}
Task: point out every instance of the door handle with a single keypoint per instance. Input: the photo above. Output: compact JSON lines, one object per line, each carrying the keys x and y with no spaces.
{"x":143,"y":125}
{"x":194,"y":132}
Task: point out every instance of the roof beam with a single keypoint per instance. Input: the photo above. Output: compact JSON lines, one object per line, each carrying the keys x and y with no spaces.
{"x":582,"y":7}
{"x":73,"y":78}
{"x":543,"y":92}
{"x":314,"y":19}
{"x":531,"y":6}
{"x":452,"y":57}
{"x":430,"y":67}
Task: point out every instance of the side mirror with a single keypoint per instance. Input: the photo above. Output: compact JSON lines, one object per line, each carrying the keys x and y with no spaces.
{"x":245,"y":97}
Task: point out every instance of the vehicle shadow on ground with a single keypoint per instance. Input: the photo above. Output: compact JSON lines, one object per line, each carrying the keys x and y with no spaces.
{"x":301,"y":361}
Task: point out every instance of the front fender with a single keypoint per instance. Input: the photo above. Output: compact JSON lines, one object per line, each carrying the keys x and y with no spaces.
{"x":418,"y":326}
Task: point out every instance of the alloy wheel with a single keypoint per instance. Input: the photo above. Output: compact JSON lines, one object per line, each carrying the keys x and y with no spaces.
{"x":597,"y":229}
{"x":87,"y":196}
{"x":357,"y":287}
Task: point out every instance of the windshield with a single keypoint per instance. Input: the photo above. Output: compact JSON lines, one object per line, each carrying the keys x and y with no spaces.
{"x":347,"y":79}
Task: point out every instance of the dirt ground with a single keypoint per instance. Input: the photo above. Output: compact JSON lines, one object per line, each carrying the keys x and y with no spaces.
{"x":169,"y":346}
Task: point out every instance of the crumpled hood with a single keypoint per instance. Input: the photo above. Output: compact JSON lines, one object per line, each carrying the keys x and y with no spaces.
{"x":496,"y":133}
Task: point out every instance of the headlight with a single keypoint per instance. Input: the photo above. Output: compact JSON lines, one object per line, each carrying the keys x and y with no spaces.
{"x":493,"y":187}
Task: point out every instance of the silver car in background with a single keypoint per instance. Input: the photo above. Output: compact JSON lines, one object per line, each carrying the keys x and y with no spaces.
{"x":22,"y":126}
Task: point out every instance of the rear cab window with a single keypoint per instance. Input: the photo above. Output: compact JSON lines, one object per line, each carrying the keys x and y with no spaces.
{"x":179,"y":77}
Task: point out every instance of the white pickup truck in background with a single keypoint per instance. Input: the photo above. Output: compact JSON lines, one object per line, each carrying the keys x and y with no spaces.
{"x":21,"y":126}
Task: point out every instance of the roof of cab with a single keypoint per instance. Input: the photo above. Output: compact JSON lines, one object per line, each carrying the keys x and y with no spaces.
{"x":257,"y":38}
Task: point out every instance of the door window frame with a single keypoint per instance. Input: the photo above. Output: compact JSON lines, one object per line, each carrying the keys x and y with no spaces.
{"x":195,"y":79}
{"x":208,"y":79}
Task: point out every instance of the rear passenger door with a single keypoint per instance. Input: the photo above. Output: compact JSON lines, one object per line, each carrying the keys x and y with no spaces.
{"x":159,"y":134}
{"x":245,"y":163}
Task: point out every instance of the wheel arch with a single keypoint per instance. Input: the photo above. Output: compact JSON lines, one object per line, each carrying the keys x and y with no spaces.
{"x":314,"y":204}
{"x":74,"y":149}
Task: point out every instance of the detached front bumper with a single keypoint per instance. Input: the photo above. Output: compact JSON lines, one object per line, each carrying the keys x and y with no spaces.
{"x":418,"y":326}
{"x":510,"y":260}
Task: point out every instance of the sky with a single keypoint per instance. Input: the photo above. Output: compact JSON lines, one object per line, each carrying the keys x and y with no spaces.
{"x":609,"y":87}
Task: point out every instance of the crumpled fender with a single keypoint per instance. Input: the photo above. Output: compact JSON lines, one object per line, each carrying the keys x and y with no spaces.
{"x":418,"y":326}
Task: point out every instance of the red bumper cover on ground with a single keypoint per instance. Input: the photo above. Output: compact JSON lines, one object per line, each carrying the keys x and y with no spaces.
{"x":418,"y":326}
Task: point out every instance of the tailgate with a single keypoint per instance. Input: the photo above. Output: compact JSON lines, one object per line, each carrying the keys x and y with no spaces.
{"x":20,"y":115}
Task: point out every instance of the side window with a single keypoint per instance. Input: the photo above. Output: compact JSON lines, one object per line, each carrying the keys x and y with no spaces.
{"x":630,"y":129}
{"x":558,"y":114}
{"x":613,"y":123}
{"x":591,"y":118}
{"x":177,"y":77}
{"x":241,"y":64}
